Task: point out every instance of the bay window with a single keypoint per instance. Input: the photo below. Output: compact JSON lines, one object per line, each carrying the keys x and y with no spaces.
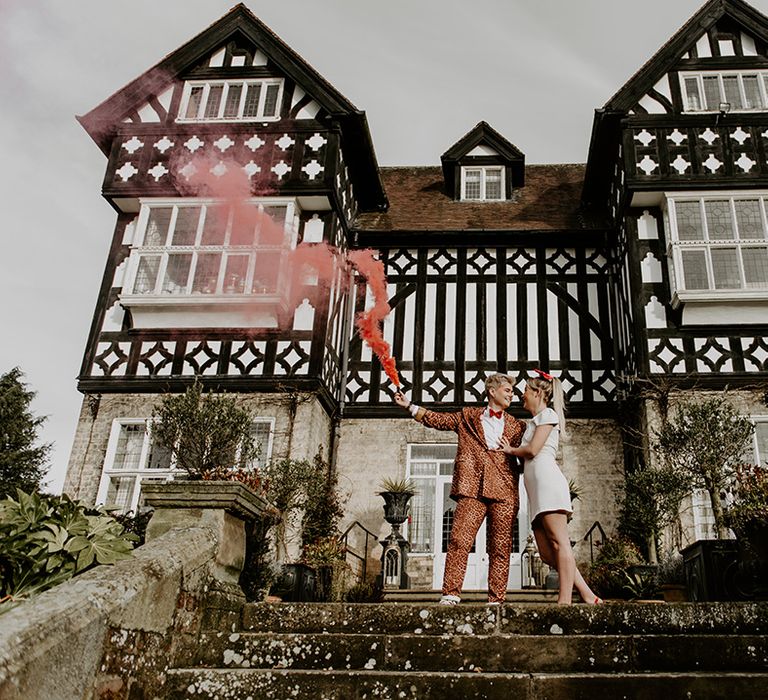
{"x":718,"y":245}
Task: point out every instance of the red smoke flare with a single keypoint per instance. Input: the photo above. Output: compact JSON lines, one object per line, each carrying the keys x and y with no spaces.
{"x":369,"y":322}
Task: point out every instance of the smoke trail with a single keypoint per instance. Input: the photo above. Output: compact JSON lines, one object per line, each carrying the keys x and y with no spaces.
{"x":369,"y":322}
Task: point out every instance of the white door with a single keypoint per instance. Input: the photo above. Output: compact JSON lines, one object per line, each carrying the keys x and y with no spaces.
{"x":430,"y":466}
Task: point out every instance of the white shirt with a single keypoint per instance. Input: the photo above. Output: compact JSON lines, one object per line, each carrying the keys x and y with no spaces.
{"x":493,"y":428}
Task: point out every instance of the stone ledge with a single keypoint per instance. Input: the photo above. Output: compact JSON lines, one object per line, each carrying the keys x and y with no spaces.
{"x":231,"y":496}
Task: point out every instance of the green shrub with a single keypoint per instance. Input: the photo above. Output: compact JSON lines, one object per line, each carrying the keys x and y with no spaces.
{"x":45,"y":540}
{"x":609,"y":573}
{"x":364,"y":592}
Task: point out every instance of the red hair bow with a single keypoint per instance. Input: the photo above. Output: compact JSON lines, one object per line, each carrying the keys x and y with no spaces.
{"x":544,"y":375}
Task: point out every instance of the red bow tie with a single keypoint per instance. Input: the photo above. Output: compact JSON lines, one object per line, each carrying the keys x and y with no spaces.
{"x":496,"y":414}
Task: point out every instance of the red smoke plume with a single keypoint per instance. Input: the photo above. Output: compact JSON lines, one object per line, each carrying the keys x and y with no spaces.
{"x":369,"y":322}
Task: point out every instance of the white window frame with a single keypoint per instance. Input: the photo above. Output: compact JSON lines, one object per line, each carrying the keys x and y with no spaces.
{"x":244,"y":84}
{"x":156,"y":295}
{"x":698,"y":76}
{"x":484,"y":170}
{"x":676,"y":246}
{"x":143,"y":472}
{"x":703,"y":517}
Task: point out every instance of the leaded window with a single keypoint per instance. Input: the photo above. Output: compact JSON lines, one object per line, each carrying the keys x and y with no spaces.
{"x":719,"y":243}
{"x":231,"y":100}
{"x":741,"y":91}
{"x":482,"y":183}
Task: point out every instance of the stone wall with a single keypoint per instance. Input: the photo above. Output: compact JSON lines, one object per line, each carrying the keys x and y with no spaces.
{"x":301,"y":429}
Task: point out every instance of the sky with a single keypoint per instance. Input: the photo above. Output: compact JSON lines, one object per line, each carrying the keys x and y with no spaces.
{"x":424,"y":71}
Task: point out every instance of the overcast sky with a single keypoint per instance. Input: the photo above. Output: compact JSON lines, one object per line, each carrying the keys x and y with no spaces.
{"x":425,"y":72}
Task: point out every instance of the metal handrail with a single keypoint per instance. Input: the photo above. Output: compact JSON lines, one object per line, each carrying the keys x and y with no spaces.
{"x":595,"y":526}
{"x":368,"y":534}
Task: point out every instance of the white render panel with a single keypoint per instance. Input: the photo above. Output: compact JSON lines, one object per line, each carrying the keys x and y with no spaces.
{"x":450,"y":321}
{"x":430,"y":316}
{"x":513,"y":348}
{"x":409,"y":326}
{"x":533,"y":315}
{"x":490,"y":321}
{"x":553,"y":327}
{"x":471,"y":323}
{"x":573,"y":325}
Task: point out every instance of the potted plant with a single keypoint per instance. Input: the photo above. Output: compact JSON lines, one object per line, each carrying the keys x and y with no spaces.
{"x":609,"y":574}
{"x":671,"y":573}
{"x":396,"y":494}
{"x":705,"y":442}
{"x":747,"y":516}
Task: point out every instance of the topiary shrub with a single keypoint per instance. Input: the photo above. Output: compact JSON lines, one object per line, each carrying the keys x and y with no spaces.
{"x":45,"y":540}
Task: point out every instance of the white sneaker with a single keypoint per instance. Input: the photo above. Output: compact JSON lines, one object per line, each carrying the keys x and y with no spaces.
{"x":450,"y":600}
{"x":493,"y":602}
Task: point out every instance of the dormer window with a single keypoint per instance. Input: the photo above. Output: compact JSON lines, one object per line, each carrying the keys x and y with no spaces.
{"x":482,"y":183}
{"x":742,"y":90}
{"x":231,"y":100}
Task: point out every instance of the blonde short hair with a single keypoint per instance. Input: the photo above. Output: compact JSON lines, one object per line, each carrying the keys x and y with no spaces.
{"x":496,"y":380}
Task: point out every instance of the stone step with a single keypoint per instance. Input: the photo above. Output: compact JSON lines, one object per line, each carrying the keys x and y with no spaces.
{"x":526,"y":619}
{"x":252,"y":684}
{"x":526,"y":595}
{"x":482,"y":653}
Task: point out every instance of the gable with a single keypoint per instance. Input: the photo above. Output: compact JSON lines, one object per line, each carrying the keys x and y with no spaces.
{"x":724,"y":35}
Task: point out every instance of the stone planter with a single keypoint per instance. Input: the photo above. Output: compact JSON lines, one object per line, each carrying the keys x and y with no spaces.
{"x":296,"y":583}
{"x":221,"y":506}
{"x":711,"y":570}
{"x":752,"y":540}
{"x":396,"y":506}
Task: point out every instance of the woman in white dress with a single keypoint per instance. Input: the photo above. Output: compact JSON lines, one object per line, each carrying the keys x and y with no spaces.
{"x":549,"y":500}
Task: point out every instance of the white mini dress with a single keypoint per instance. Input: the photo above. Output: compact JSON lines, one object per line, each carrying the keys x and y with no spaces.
{"x":545,"y":484}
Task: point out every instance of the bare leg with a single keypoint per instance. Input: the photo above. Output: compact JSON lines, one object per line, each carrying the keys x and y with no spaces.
{"x":548,"y":551}
{"x":555,"y":527}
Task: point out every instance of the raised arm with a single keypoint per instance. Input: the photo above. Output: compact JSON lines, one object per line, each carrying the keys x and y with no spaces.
{"x":432,"y":419}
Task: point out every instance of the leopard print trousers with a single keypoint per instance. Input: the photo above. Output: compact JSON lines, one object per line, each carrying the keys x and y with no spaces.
{"x":467,"y":519}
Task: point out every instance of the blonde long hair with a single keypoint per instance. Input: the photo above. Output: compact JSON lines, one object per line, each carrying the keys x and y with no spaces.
{"x":552,"y":390}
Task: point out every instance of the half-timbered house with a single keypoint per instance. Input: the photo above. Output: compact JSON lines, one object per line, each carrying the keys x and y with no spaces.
{"x":647,"y":263}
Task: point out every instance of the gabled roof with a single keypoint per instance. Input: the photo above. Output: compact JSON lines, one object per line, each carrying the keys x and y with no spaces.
{"x":102,"y":121}
{"x":483,"y":134}
{"x":550,"y":201}
{"x":683,"y":41}
{"x":239,"y":20}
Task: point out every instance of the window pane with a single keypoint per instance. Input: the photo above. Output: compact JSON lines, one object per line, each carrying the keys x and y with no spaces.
{"x":719,"y":222}
{"x":471,"y":184}
{"x":260,"y":432}
{"x":694,"y":269}
{"x":159,"y":456}
{"x":748,"y":218}
{"x":271,"y":224}
{"x":752,"y":92}
{"x":157,"y":225}
{"x":206,"y":273}
{"x":120,"y":492}
{"x":693,"y":98}
{"x":186,"y":226}
{"x":177,"y":273}
{"x":447,"y":451}
{"x":234,"y":277}
{"x":215,"y":226}
{"x":146,"y":277}
{"x":243,"y":225}
{"x":689,"y":226}
{"x":270,"y":102}
{"x":214,"y":101}
{"x":128,"y":450}
{"x":712,"y":91}
{"x":251,"y":107}
{"x":732,"y":94}
{"x":266,"y":272}
{"x":193,"y":106}
{"x":446,"y":468}
{"x":233,"y":100}
{"x":761,"y":434}
{"x":725,"y":267}
{"x":422,"y":520}
{"x":755,"y":266}
{"x":493,"y":184}
{"x":423,"y":468}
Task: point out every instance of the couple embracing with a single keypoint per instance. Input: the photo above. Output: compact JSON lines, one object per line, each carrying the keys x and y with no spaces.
{"x":491,"y":445}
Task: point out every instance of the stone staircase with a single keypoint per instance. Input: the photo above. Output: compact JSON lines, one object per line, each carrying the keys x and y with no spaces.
{"x":516,"y":651}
